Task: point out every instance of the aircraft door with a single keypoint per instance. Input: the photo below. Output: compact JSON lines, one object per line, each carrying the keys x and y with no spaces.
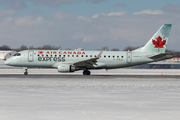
{"x":129,"y":57}
{"x":31,"y":56}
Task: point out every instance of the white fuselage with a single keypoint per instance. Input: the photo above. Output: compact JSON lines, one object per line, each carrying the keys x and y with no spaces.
{"x":52,"y":58}
{"x":70,"y":61}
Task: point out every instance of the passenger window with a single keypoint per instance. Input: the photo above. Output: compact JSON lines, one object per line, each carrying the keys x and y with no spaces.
{"x":82,"y":56}
{"x":113,"y":56}
{"x":109,"y":56}
{"x":47,"y":55}
{"x":59,"y":55}
{"x":95,"y":56}
{"x":64,"y":55}
{"x":55,"y":55}
{"x":90,"y":55}
{"x":72,"y":55}
{"x":121,"y":56}
{"x":86,"y":55}
{"x":68,"y":55}
{"x":76,"y":55}
{"x":104,"y":56}
{"x":117,"y":56}
{"x":38,"y":55}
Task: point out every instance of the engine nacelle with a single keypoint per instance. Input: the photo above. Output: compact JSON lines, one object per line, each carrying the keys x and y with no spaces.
{"x":66,"y":68}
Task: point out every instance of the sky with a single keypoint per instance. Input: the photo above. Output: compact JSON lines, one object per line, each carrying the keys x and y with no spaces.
{"x":88,"y":24}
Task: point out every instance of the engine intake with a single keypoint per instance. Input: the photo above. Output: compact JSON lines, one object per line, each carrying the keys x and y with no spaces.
{"x":66,"y":68}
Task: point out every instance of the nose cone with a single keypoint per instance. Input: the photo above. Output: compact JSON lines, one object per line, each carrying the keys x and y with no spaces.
{"x":7,"y":62}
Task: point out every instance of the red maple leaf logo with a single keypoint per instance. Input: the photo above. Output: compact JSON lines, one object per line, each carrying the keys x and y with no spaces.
{"x":159,"y":43}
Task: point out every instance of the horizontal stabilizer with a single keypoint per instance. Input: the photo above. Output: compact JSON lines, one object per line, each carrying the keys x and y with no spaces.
{"x":162,"y":55}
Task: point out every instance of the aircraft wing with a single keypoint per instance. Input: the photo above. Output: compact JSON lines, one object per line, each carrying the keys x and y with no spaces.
{"x":89,"y":62}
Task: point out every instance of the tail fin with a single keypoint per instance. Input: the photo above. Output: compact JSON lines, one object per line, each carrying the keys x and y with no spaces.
{"x":159,"y":41}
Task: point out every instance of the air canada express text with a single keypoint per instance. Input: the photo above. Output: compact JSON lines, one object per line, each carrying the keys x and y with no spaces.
{"x":62,"y":52}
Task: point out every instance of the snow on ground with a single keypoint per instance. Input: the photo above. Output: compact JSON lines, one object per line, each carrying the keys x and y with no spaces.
{"x":89,"y":99}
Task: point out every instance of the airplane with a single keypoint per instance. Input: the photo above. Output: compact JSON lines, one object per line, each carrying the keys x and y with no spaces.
{"x":70,"y":61}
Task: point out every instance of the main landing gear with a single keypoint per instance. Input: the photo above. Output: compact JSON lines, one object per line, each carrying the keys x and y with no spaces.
{"x":26,"y":72}
{"x":86,"y":72}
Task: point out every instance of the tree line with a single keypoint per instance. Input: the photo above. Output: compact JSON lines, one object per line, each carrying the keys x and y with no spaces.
{"x":24,"y":47}
{"x":105,"y":48}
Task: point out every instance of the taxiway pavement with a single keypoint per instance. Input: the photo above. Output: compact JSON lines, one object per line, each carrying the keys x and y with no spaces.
{"x":115,"y":73}
{"x":121,"y":94}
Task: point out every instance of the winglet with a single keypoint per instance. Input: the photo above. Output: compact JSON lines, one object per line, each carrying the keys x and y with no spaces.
{"x":99,"y":55}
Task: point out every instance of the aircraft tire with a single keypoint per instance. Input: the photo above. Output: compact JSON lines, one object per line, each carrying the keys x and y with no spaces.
{"x":25,"y":73}
{"x":86,"y":72}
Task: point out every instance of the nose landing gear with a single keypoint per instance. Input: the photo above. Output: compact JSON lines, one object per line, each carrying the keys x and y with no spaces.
{"x":26,"y":72}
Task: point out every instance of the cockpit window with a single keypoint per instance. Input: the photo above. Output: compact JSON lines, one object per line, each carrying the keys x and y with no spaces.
{"x":17,"y":54}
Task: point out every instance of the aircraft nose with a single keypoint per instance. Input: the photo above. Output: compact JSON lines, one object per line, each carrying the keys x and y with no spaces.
{"x":7,"y":62}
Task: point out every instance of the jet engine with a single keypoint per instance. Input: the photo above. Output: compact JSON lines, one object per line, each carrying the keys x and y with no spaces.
{"x":66,"y":68}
